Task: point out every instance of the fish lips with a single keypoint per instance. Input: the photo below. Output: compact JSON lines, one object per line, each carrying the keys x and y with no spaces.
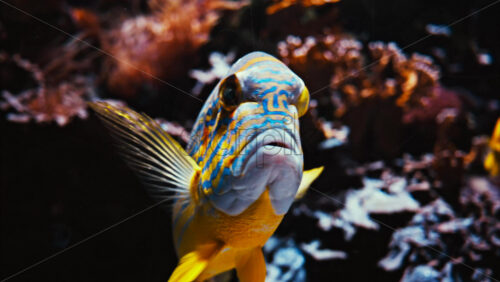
{"x":282,"y":180}
{"x":267,"y":147}
{"x":272,"y":159}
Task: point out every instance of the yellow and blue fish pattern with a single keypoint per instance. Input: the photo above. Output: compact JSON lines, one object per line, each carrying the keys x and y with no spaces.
{"x":239,"y":175}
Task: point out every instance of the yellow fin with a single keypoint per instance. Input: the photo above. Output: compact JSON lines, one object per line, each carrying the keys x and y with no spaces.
{"x":192,"y":264}
{"x":251,"y":266}
{"x":492,"y":161}
{"x":161,"y":163}
{"x":308,"y":178}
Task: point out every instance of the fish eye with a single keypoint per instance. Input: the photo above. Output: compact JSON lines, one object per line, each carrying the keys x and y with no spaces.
{"x":302,"y":102}
{"x":229,"y":96}
{"x":229,"y":93}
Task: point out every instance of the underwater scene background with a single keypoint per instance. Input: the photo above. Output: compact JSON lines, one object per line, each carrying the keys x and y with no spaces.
{"x":404,"y":116}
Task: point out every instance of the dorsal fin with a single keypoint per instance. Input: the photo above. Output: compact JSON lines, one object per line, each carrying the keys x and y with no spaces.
{"x":161,"y":163}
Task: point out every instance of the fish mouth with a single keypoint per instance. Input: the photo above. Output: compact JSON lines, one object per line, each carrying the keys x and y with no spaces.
{"x":278,"y":144}
{"x":270,"y":142}
{"x":270,"y":160}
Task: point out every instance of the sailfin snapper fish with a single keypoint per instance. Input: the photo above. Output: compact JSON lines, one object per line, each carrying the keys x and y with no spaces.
{"x":239,"y":175}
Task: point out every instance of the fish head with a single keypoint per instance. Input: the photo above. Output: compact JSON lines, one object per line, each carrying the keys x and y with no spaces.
{"x":254,"y":141}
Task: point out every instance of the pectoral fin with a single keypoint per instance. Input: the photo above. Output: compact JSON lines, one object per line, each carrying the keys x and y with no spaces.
{"x":192,"y":264}
{"x":162,"y":164}
{"x":308,"y":178}
{"x":251,"y":266}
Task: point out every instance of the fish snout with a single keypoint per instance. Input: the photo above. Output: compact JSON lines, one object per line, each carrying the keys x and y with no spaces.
{"x":274,"y":159}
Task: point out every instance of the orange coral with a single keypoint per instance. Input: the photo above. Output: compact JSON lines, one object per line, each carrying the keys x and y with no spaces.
{"x":376,"y":94}
{"x":416,"y":74}
{"x":321,"y":57}
{"x":278,"y":5}
{"x":339,"y":56}
{"x":86,"y":20}
{"x":161,"y":45}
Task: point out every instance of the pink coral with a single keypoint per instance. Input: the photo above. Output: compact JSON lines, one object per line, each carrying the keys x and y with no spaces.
{"x":59,"y":96}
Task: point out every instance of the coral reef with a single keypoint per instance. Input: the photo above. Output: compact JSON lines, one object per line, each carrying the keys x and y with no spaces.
{"x":411,"y":84}
{"x":436,"y":229}
{"x":382,"y":94}
{"x":61,"y":89}
{"x":287,"y":261}
{"x":160,"y":46}
{"x":135,"y":52}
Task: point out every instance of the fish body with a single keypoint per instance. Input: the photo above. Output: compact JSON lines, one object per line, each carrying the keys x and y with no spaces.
{"x":240,"y":173}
